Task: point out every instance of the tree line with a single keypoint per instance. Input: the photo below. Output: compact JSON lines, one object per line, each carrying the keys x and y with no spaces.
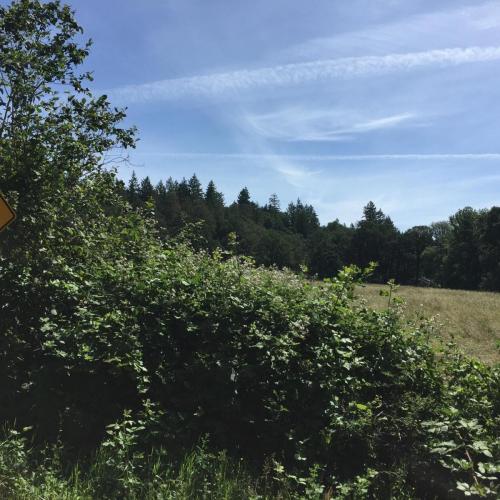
{"x":462,"y":252}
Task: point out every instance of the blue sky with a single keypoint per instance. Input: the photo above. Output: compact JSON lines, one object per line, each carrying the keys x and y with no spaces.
{"x":335,"y":102}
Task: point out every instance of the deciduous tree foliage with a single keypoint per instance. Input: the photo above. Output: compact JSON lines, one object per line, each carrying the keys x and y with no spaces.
{"x":54,"y":134}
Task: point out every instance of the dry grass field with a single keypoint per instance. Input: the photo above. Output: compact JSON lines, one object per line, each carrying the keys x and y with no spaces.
{"x":472,"y":318}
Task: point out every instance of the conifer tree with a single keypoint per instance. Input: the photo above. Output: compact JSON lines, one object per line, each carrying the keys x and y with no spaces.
{"x":133,"y":190}
{"x":195,"y":189}
{"x":213,"y":197}
{"x":146,"y":190}
{"x":244,"y":197}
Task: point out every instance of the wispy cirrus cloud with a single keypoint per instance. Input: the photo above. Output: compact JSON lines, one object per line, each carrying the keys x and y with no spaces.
{"x":431,"y":29}
{"x":234,"y":82}
{"x":326,"y":157}
{"x":299,"y":123}
{"x":295,"y":175}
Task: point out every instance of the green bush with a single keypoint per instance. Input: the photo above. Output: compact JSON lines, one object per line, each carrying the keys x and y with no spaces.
{"x":265,"y":363}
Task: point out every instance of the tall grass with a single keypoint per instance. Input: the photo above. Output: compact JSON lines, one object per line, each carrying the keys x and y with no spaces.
{"x":469,"y":318}
{"x":28,"y":473}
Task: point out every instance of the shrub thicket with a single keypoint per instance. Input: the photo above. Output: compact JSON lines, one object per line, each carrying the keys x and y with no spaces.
{"x":267,"y":364}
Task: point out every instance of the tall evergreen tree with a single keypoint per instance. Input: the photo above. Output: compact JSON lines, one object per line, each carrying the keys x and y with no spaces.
{"x":375,"y":240}
{"x":195,"y":189}
{"x":183,"y":193}
{"x":171,"y":185}
{"x":133,"y":190}
{"x":302,"y":218}
{"x":243,"y":197}
{"x":273,"y":204}
{"x":371,"y":214}
{"x":146,"y":190}
{"x":213,"y":197}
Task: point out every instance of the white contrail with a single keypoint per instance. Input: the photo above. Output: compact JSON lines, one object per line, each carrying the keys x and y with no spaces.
{"x":220,"y":84}
{"x":312,"y":158}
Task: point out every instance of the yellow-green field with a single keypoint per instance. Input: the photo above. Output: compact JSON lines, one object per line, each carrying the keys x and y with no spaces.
{"x":472,"y":318}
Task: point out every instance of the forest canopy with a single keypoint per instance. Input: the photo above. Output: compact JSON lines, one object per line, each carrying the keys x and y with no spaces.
{"x":462,"y":252}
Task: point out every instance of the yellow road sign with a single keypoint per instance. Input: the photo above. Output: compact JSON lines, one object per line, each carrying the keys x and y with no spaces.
{"x":7,"y":215}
